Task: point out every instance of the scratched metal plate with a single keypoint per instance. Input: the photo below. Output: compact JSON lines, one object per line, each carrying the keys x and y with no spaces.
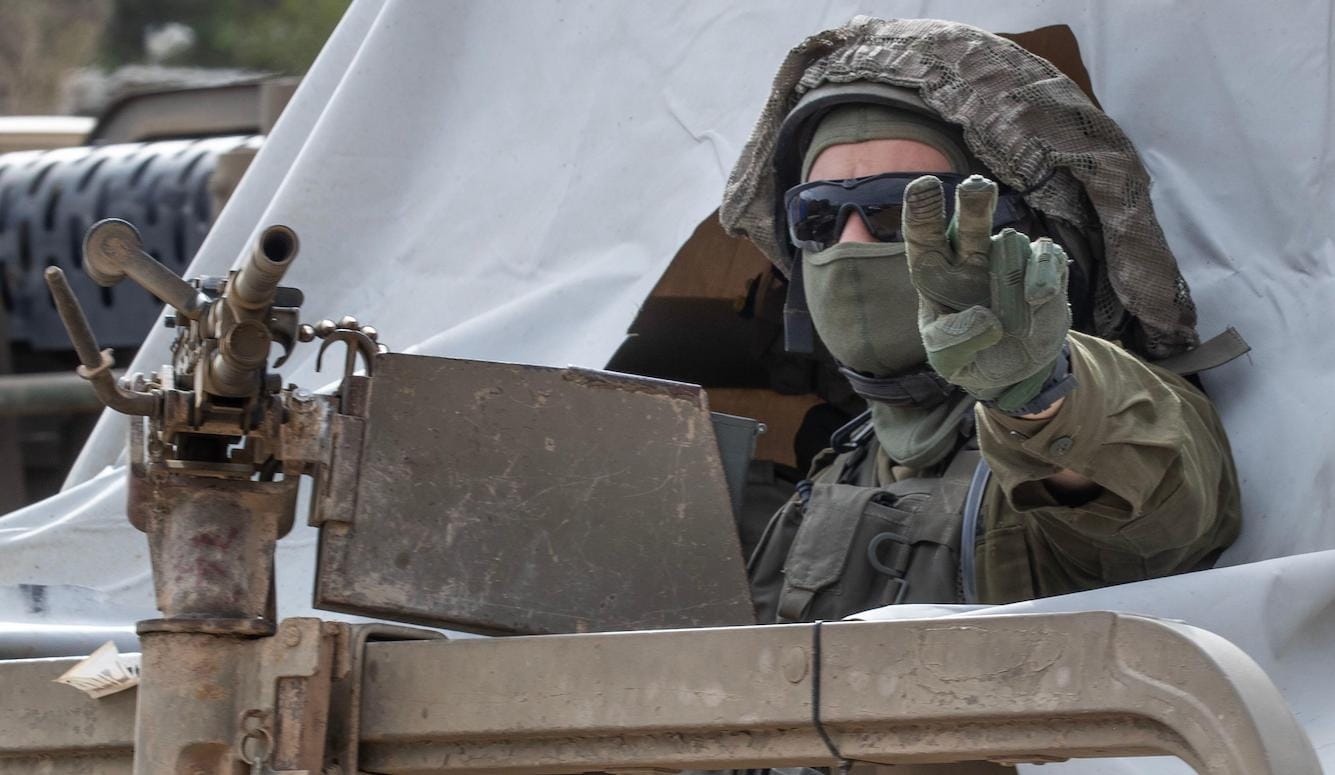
{"x":499,"y":498}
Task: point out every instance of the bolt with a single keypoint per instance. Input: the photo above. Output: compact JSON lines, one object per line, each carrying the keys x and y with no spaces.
{"x":305,"y":332}
{"x":324,"y":328}
{"x":371,"y":333}
{"x":348,"y":321}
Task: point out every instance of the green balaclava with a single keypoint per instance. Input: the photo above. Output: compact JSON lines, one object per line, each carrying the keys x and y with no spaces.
{"x":861,"y":300}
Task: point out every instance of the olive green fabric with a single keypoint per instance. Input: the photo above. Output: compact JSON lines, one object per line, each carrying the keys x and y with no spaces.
{"x":1154,"y":443}
{"x":993,"y":311}
{"x":864,"y":307}
{"x":852,"y":545}
{"x":1169,"y":504}
{"x":863,"y":304}
{"x":920,"y":438}
{"x":859,"y":122}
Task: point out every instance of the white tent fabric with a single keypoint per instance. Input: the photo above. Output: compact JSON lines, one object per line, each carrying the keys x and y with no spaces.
{"x":507,"y":180}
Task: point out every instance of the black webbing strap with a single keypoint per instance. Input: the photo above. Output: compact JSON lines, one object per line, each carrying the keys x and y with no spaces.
{"x":845,"y":764}
{"x":799,"y":334}
{"x":924,"y":388}
{"x":1216,"y":351}
{"x":1058,"y":385}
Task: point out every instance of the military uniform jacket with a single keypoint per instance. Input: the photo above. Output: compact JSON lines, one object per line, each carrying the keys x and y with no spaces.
{"x":1168,"y":499}
{"x":1152,"y":441}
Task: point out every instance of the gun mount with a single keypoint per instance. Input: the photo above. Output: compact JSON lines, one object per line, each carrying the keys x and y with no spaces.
{"x":205,"y":430}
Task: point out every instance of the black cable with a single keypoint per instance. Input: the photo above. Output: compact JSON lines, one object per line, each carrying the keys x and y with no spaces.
{"x":844,"y":763}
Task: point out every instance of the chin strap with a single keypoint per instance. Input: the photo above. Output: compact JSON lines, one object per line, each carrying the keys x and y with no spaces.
{"x":923,"y":388}
{"x":799,"y":335}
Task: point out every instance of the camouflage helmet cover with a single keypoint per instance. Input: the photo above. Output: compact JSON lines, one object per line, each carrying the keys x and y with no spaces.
{"x":1029,"y":124}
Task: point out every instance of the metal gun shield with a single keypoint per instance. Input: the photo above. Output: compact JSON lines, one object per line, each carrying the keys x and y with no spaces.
{"x":505,"y":499}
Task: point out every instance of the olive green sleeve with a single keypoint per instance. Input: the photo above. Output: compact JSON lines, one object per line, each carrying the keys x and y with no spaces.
{"x":1155,"y":445}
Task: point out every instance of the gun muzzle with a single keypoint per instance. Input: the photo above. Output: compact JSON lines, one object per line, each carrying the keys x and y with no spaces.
{"x":254,"y":286}
{"x":243,"y":334}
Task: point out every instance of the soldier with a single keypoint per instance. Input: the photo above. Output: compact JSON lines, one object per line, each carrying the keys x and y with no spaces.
{"x":1007,"y":453}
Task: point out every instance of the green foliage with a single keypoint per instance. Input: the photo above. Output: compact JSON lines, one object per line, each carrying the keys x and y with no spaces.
{"x":278,"y":36}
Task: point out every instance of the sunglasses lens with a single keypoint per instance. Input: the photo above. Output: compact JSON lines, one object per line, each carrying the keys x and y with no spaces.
{"x":818,"y":211}
{"x":811,"y":221}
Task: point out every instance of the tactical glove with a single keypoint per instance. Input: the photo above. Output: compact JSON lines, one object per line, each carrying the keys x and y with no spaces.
{"x":992,"y":310}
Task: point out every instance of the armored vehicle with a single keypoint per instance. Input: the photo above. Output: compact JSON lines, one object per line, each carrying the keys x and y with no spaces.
{"x":588,"y":516}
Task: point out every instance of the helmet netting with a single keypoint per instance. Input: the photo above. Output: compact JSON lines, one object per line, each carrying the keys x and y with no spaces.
{"x":1026,"y":121}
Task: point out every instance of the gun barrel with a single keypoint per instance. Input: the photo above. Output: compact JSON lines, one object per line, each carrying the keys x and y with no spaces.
{"x":243,"y":341}
{"x":254,"y":286}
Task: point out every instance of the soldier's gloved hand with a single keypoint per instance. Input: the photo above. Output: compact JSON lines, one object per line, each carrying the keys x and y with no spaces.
{"x":992,"y":310}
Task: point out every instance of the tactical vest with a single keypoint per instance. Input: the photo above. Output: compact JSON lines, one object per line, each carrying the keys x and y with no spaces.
{"x":845,"y":544}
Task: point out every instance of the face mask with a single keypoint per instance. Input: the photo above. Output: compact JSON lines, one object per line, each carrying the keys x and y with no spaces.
{"x":866,"y":311}
{"x":864,"y":307}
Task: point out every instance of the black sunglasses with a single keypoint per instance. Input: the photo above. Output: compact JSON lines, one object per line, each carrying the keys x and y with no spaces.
{"x":818,"y":211}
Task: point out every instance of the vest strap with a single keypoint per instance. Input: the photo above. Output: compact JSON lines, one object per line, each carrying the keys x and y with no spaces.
{"x":1216,"y":351}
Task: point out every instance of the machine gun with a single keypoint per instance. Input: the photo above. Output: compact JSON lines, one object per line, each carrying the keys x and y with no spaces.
{"x":215,"y":455}
{"x":510,"y":499}
{"x":216,"y":408}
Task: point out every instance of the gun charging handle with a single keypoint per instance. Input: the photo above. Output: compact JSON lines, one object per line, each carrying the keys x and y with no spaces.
{"x":96,"y":365}
{"x":113,"y":249}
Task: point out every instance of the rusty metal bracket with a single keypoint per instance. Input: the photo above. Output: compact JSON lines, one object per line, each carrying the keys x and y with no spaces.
{"x":345,"y":716}
{"x":293,"y":692}
{"x":336,"y":483}
{"x":196,"y":529}
{"x":216,"y":702}
{"x":291,"y":702}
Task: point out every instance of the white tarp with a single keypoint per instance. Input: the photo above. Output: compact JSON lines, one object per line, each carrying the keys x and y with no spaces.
{"x":507,"y":180}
